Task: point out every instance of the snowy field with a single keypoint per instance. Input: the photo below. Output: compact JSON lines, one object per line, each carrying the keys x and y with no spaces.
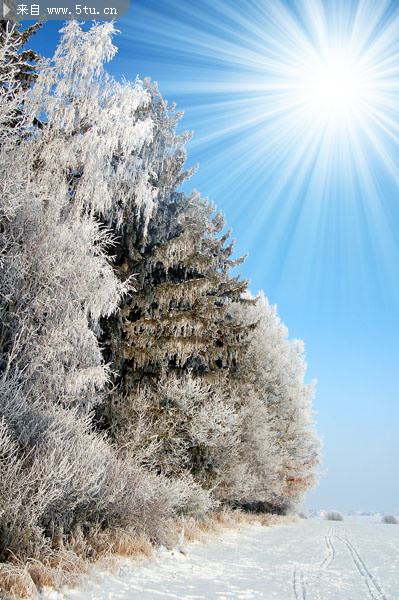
{"x":312,"y":560}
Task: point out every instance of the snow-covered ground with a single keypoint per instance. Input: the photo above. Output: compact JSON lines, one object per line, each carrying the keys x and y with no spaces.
{"x":357,"y":559}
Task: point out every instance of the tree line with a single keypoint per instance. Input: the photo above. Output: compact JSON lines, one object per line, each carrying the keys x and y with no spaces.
{"x":140,"y":380}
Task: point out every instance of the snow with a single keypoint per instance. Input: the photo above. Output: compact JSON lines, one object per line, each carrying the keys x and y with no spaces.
{"x":314,"y":559}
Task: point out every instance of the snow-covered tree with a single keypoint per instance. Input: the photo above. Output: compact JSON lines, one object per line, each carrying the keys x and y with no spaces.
{"x":177,"y":326}
{"x":23,"y":60}
{"x":17,"y":72}
{"x":78,"y":167}
{"x":181,"y":427}
{"x":275,"y":370}
{"x":94,"y":136}
{"x":178,"y":319}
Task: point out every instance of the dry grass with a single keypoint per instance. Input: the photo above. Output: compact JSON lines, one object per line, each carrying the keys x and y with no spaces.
{"x":213,"y":524}
{"x":42,"y":575}
{"x":74,"y":557}
{"x":66,"y":565}
{"x":269,"y":520}
{"x":100,"y":543}
{"x":16,"y":582}
{"x":121,"y":542}
{"x":54,"y":569}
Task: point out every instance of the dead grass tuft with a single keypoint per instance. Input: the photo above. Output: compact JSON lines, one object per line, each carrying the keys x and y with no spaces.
{"x":41,"y":574}
{"x":57,"y":568}
{"x":98,"y":544}
{"x":132,"y":544}
{"x":199,"y":529}
{"x":16,"y":582}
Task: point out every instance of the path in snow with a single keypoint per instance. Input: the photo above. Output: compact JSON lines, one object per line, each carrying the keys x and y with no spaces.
{"x":312,"y":560}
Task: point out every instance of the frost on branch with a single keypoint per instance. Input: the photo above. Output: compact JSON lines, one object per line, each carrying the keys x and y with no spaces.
{"x":275,"y":370}
{"x":94,"y":136}
{"x":178,"y":319}
{"x":181,"y":427}
{"x":17,"y":72}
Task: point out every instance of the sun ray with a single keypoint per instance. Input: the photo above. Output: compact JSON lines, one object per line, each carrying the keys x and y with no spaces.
{"x":301,"y":99}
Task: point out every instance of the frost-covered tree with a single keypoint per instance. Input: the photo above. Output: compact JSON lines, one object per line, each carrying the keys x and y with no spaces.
{"x":17,"y":58}
{"x":181,"y":427}
{"x":252,"y":476}
{"x":178,"y":319}
{"x":175,"y":327}
{"x":56,"y":278}
{"x":180,"y":260}
{"x":177,"y":324}
{"x":92,"y":144}
{"x":17,"y":71}
{"x":275,"y":370}
{"x":11,"y":92}
{"x":164,"y":159}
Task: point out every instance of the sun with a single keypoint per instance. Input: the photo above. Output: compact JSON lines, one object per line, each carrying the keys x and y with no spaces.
{"x":336,"y":86}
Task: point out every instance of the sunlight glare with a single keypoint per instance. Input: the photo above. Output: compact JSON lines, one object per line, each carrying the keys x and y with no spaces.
{"x":335,"y":87}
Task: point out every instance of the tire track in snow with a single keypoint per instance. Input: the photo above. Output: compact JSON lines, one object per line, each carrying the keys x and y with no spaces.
{"x":375,"y":590}
{"x":298,"y":585}
{"x":326,"y":562}
{"x":298,"y":579}
{"x":303,"y":586}
{"x":294,"y":584}
{"x":330,"y":550}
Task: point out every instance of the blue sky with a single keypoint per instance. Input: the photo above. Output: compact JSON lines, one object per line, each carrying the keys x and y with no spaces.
{"x":306,"y":171}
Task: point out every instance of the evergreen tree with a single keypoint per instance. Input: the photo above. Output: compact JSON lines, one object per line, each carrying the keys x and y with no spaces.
{"x":20,"y":60}
{"x":176,"y":324}
{"x":18,"y":69}
{"x":178,"y":317}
